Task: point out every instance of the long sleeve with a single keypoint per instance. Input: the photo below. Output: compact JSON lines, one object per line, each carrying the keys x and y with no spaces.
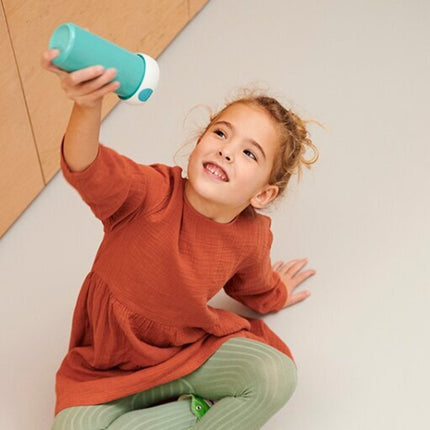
{"x":256,"y":284}
{"x":115,"y":187}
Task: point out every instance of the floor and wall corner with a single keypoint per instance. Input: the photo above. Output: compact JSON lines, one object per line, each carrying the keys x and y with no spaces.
{"x":361,"y":215}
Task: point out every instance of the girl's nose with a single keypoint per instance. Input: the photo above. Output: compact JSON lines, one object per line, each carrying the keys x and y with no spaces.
{"x":225,"y":154}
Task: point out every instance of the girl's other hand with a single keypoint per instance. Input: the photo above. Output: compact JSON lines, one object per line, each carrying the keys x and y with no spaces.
{"x":291,"y":276}
{"x":86,"y":87}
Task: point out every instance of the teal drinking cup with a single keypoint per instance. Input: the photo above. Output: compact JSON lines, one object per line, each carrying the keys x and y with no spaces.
{"x":138,"y":73}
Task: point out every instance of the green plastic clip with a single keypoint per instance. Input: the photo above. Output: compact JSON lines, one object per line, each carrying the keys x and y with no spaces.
{"x":199,"y":405}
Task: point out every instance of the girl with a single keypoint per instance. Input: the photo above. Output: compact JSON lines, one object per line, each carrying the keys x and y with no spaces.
{"x":143,"y":335}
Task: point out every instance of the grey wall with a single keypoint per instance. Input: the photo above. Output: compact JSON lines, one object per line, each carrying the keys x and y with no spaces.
{"x":361,"y":215}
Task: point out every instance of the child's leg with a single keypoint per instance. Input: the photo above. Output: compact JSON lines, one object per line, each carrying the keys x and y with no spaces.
{"x":95,"y":417}
{"x":250,"y":380}
{"x":134,"y":409}
{"x":170,"y":416}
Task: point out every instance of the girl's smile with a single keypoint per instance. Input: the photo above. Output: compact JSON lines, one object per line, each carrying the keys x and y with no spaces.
{"x":230,"y":166}
{"x":215,"y":172}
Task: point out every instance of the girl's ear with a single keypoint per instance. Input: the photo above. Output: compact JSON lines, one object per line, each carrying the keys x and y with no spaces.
{"x":265,"y":196}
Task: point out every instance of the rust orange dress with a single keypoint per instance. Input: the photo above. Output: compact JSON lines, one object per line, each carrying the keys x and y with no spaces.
{"x":142,"y":316}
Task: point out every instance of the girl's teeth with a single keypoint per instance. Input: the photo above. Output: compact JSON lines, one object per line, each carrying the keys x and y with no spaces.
{"x":216,"y":172}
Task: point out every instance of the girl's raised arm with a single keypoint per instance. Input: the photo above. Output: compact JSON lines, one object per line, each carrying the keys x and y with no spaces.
{"x":86,"y":87}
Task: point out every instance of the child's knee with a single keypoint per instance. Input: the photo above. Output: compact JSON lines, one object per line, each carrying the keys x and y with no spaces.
{"x":286,"y":382}
{"x":274,"y":380}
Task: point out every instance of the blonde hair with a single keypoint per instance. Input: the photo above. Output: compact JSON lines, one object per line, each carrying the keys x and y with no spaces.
{"x":293,"y":134}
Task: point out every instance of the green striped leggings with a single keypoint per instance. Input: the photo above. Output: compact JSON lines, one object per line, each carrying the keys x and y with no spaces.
{"x":249,"y":381}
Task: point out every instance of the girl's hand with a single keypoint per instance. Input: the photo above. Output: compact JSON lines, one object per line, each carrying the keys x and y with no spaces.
{"x":86,"y":87}
{"x":290,"y":276}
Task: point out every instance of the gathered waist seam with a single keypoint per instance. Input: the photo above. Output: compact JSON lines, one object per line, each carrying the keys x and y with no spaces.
{"x":130,"y":308}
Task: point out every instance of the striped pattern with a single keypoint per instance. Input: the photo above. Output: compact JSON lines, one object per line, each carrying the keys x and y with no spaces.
{"x":249,"y":380}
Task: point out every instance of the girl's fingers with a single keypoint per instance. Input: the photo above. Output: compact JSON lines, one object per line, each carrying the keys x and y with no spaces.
{"x":299,"y":297}
{"x":292,"y":267}
{"x":94,"y":88}
{"x":49,"y":55}
{"x":296,"y":266}
{"x":96,"y":81}
{"x":302,"y":277}
{"x":95,"y":95}
{"x":84,"y":86}
{"x":84,"y":75}
{"x":281,"y":266}
{"x":89,"y":81}
{"x":277,"y":266}
{"x":46,"y":61}
{"x":290,"y":272}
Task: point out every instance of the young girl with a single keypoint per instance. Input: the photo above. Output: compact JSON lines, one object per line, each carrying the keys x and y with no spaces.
{"x":146,"y":349}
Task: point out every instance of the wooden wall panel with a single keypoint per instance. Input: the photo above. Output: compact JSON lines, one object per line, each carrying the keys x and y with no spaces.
{"x":147,"y":26}
{"x":21,"y":177}
{"x":194,"y":6}
{"x":33,"y":109}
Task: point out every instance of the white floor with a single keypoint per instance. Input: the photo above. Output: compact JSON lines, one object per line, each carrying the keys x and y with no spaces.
{"x":361,"y":215}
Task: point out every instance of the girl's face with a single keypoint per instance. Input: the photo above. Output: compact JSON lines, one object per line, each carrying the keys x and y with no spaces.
{"x":230,"y":166}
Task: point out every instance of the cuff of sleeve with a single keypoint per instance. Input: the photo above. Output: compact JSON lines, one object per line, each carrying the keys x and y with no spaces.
{"x":76,"y":176}
{"x":283,"y":295}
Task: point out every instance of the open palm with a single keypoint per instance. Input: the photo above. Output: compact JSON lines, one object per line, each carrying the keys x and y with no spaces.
{"x":291,"y":275}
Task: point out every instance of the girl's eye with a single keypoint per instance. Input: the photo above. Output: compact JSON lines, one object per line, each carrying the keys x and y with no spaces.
{"x":220,"y":133}
{"x":250,"y":154}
